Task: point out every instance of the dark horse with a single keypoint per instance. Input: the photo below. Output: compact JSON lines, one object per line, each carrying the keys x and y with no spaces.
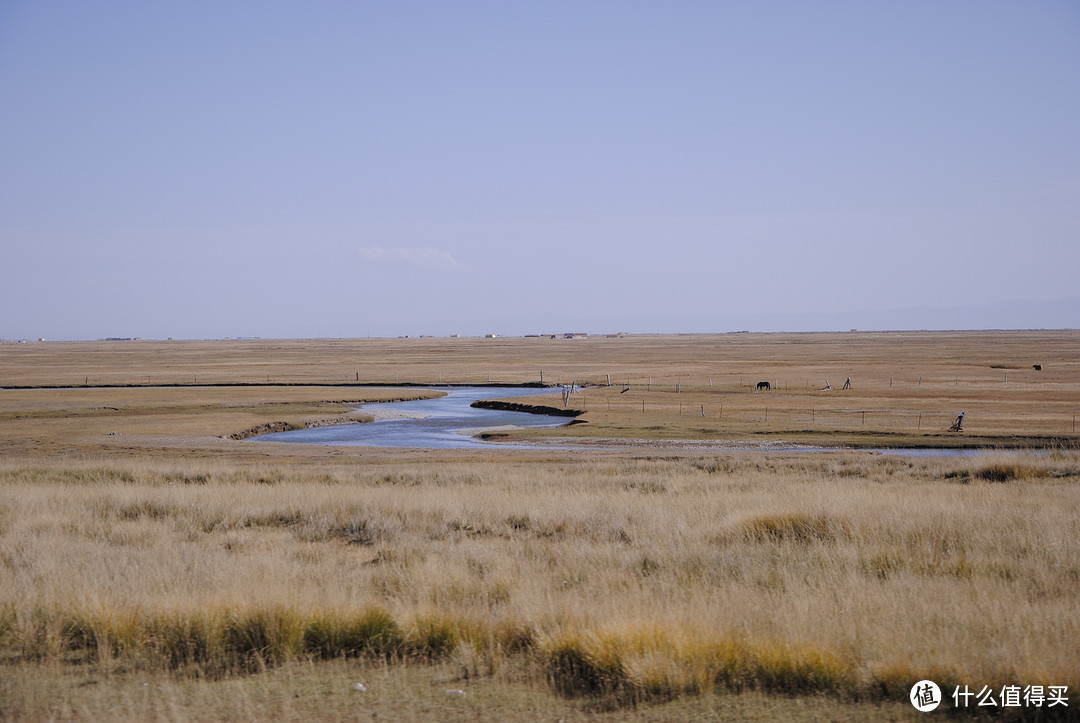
{"x":763,"y":386}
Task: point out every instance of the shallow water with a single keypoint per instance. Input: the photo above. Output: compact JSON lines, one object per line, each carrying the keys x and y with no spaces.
{"x":446,"y":423}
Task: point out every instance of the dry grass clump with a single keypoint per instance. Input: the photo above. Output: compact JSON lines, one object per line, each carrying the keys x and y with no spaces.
{"x":797,"y":527}
{"x":654,"y":664}
{"x":620,"y":580}
{"x":1013,"y":468}
{"x":1007,"y":472}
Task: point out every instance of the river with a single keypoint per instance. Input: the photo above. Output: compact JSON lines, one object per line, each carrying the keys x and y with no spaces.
{"x":446,"y":422}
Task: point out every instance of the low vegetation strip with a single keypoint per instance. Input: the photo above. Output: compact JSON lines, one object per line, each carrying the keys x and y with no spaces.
{"x":647,"y":664}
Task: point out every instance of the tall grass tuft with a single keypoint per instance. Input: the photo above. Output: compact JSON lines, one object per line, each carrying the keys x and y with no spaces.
{"x":578,"y":664}
{"x":793,"y":527}
{"x":333,"y":634}
{"x":802,"y":668}
{"x":190,"y":644}
{"x":434,"y":636}
{"x":1008,"y":472}
{"x":261,"y":637}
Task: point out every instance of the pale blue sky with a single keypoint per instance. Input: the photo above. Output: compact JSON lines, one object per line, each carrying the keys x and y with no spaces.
{"x":293,"y":169}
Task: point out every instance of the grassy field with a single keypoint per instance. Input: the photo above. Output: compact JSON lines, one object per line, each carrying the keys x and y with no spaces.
{"x":906,"y":387}
{"x":153,"y":568}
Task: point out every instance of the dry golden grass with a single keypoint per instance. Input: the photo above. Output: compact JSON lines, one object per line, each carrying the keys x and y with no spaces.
{"x":544,"y":581}
{"x":848,"y":575}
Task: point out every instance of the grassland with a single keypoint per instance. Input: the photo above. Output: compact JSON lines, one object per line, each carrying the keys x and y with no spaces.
{"x":906,"y":387}
{"x":151,"y":567}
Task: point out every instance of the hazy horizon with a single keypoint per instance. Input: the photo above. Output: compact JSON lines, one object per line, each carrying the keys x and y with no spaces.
{"x":1013,"y":316}
{"x":200,"y":170}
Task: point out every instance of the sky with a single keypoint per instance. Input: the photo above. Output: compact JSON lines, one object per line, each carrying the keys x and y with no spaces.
{"x":396,"y":167}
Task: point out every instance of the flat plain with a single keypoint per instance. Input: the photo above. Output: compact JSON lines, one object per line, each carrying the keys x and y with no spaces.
{"x":672,"y":555}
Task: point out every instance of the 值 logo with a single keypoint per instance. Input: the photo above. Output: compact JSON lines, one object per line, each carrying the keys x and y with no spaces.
{"x":925,"y":696}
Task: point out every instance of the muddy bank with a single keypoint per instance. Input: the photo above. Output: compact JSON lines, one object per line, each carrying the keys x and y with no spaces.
{"x":527,"y":408}
{"x":287,"y":427}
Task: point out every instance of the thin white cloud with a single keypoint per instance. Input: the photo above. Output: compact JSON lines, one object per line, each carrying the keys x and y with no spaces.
{"x":426,"y":255}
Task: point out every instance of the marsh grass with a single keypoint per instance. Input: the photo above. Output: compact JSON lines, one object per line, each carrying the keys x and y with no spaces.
{"x":622,"y":581}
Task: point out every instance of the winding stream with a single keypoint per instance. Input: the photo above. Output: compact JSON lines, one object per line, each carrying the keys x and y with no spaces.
{"x":446,"y":422}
